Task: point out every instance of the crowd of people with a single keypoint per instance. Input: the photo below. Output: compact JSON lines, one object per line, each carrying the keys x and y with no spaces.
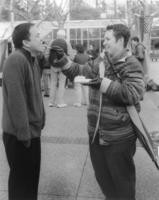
{"x":54,"y":82}
{"x":117,"y":80}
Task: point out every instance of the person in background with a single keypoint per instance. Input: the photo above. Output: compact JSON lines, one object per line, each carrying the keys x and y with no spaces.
{"x":23,"y":115}
{"x":90,"y":48}
{"x":45,"y":67}
{"x":138,"y":50}
{"x":58,"y":80}
{"x":92,"y":52}
{"x":117,"y":81}
{"x":81,"y":91}
{"x":61,"y":34}
{"x":57,"y":77}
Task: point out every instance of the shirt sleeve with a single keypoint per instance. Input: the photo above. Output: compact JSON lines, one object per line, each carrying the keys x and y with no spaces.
{"x":14,"y":84}
{"x":73,"y":69}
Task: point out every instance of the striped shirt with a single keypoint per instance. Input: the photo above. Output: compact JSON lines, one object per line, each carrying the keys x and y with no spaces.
{"x":126,"y":88}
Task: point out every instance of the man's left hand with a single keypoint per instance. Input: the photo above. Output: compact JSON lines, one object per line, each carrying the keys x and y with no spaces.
{"x":94,"y":83}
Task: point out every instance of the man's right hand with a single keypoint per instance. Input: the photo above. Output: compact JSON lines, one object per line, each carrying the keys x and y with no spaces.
{"x":94,"y":83}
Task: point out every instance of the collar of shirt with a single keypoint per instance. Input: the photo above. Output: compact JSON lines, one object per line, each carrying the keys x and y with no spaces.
{"x":121,"y":58}
{"x":28,"y":55}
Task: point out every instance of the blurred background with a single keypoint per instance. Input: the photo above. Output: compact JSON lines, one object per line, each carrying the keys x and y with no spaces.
{"x":84,"y":21}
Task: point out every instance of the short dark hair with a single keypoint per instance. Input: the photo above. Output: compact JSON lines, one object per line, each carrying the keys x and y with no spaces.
{"x":120,"y":30}
{"x":80,"y":48}
{"x":135,"y":38}
{"x":20,"y":33}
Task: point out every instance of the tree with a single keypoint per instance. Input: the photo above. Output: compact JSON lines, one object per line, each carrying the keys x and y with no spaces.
{"x":134,"y":11}
{"x":22,"y":9}
{"x":55,"y":13}
{"x":153,"y":8}
{"x":26,"y":10}
{"x":29,"y":10}
{"x":82,"y":11}
{"x":5,"y":14}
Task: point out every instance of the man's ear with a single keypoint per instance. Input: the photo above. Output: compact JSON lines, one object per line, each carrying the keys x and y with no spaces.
{"x":26,"y":43}
{"x":121,"y":40}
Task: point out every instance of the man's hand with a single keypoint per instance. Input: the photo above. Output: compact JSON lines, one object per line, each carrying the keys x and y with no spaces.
{"x":94,"y":83}
{"x":57,"y":57}
{"x":27,"y":143}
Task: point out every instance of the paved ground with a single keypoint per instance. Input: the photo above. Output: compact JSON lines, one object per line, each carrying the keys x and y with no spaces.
{"x":66,"y":171}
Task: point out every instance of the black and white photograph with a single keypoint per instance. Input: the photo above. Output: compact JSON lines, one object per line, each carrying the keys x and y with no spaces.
{"x":79,"y":100}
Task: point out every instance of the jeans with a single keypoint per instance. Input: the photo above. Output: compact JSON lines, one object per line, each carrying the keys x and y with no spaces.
{"x":57,"y":86}
{"x":24,"y":164}
{"x":46,"y":81}
{"x":81,"y":93}
{"x":114,"y":169}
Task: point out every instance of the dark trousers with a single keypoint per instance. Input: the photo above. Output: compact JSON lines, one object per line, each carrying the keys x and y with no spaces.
{"x":24,"y":164}
{"x":114,"y":169}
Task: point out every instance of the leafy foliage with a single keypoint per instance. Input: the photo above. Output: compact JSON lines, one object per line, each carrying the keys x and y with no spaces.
{"x":84,"y":13}
{"x":23,"y":10}
{"x":5,"y":14}
{"x":81,"y":11}
{"x":28,"y":10}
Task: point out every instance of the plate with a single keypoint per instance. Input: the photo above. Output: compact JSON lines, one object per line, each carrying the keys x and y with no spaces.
{"x":81,"y":79}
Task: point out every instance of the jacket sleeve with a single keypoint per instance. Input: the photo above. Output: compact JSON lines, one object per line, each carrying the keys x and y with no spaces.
{"x":14,"y":86}
{"x":129,"y":90}
{"x":89,"y":70}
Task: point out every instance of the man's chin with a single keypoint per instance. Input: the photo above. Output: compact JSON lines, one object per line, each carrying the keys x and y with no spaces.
{"x":40,"y":51}
{"x":107,"y":51}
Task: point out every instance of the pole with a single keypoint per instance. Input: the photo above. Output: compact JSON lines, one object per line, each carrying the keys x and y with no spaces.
{"x":146,"y":35}
{"x":11,"y":15}
{"x":126,"y":10}
{"x":115,"y":9}
{"x":129,"y":13}
{"x":146,"y":15}
{"x":67,"y":23}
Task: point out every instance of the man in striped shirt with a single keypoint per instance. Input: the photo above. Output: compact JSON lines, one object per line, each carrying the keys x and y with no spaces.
{"x":117,"y":81}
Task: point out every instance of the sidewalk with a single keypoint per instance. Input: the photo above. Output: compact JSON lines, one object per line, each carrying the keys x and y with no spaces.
{"x":66,"y":170}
